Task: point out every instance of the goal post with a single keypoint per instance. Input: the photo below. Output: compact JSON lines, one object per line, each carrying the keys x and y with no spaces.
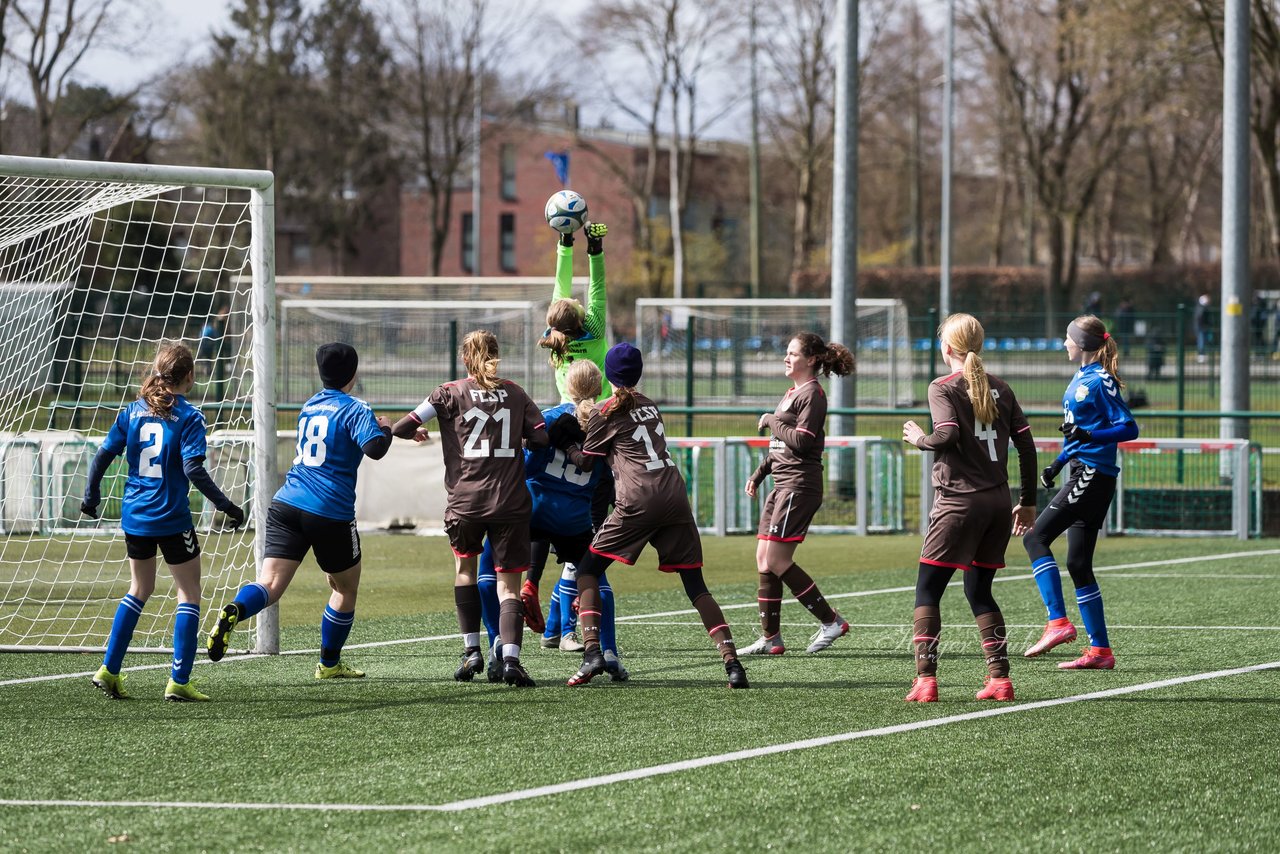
{"x":99,"y":262}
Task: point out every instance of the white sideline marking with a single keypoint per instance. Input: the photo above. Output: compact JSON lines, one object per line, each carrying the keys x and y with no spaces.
{"x":638,"y":617}
{"x":904,"y":626}
{"x":665,"y":768}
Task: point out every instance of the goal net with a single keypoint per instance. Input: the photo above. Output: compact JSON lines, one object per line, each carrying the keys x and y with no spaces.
{"x":98,"y":263}
{"x":729,"y":351}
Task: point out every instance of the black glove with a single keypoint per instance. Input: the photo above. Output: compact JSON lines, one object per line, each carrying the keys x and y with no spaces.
{"x":566,"y":239}
{"x":235,"y":513}
{"x":1050,"y":472}
{"x":1074,"y":432}
{"x":595,"y":237}
{"x":565,"y":431}
{"x":90,"y":510}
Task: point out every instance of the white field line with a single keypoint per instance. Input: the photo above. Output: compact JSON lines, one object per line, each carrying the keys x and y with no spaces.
{"x":640,"y":617}
{"x":589,"y":783}
{"x":905,"y":626}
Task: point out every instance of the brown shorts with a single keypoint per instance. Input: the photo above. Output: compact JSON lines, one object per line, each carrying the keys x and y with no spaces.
{"x":510,"y":541}
{"x":971,"y":529}
{"x":679,"y":544}
{"x":786,"y":515}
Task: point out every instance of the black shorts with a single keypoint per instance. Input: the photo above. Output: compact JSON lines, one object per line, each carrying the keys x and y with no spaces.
{"x":292,"y":532}
{"x":569,"y":547}
{"x":176,"y":548}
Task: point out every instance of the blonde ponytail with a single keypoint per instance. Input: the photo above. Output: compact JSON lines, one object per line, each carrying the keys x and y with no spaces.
{"x":480,"y":357}
{"x":965,"y":335}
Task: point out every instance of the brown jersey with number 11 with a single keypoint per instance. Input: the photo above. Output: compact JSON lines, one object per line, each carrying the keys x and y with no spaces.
{"x":648,"y":484}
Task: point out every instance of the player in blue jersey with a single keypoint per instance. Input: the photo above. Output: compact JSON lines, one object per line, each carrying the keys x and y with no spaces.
{"x":315,"y":510}
{"x":163,"y":438}
{"x":562,"y":493}
{"x":1094,"y":420}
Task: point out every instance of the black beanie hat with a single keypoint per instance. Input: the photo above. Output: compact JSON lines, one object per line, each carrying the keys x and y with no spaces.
{"x":337,"y":363}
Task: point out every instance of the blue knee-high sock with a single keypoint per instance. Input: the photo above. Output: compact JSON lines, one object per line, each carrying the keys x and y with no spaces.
{"x":487,"y":581}
{"x":127,"y":613}
{"x":251,"y":598}
{"x":553,"y":614}
{"x":568,"y":619}
{"x":608,"y":633}
{"x":1090,"y":601}
{"x":185,"y":626}
{"x":334,"y":628}
{"x":1045,"y":570}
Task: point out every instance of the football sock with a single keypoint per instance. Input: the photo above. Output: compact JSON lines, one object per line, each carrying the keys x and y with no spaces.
{"x":589,"y":610}
{"x":714,"y":622}
{"x":127,"y":613}
{"x":995,"y":644}
{"x":1090,"y":601}
{"x":770,"y":599}
{"x":608,"y":632}
{"x":553,"y":614}
{"x":806,"y":590}
{"x":489,"y":611}
{"x":1045,"y":570}
{"x":185,"y":626}
{"x":928,"y":627}
{"x":568,"y":592}
{"x":251,"y":599}
{"x":510,"y":626}
{"x":334,"y":628}
{"x":467,"y":600}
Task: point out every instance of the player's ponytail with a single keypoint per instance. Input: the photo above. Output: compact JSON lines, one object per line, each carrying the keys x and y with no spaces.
{"x":1108,"y":353}
{"x":172,"y":365}
{"x":624,"y":400}
{"x":564,"y":324}
{"x":583,"y":383}
{"x":831,"y":358}
{"x":480,"y":357}
{"x":965,"y":335}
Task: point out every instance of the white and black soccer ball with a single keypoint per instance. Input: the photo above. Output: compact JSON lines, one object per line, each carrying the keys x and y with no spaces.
{"x":566,"y":211}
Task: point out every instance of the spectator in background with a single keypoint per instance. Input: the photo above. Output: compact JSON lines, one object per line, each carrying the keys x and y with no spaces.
{"x":1204,"y":327}
{"x":1125,"y":320}
{"x":211,"y":349}
{"x":1258,"y":323}
{"x":1093,"y":304}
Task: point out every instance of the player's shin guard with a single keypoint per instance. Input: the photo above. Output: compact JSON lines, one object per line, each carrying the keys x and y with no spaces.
{"x":335,"y":626}
{"x":467,"y":599}
{"x":487,"y":585}
{"x":126,"y":620}
{"x":805,"y":589}
{"x":928,"y":628}
{"x":608,"y":631}
{"x":770,"y":599}
{"x":186,"y":624}
{"x":1089,"y":599}
{"x":1048,"y":580}
{"x":995,"y":645}
{"x":251,"y":599}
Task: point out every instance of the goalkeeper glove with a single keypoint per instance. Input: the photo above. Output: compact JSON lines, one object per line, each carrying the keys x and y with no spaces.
{"x":90,"y":510}
{"x":1075,"y":433}
{"x":595,"y":237}
{"x":1050,"y":472}
{"x":235,"y":513}
{"x":566,"y":239}
{"x":565,"y":431}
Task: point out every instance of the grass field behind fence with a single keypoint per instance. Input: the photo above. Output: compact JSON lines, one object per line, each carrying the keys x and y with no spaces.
{"x":388,"y":762}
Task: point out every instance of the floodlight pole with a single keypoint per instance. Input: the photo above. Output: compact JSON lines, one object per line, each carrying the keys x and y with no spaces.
{"x":948,"y":108}
{"x":1236,"y":297}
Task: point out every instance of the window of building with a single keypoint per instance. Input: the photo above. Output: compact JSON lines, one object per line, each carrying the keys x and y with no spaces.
{"x":301,"y":249}
{"x":468,"y":245}
{"x":507,"y":228}
{"x":508,"y":161}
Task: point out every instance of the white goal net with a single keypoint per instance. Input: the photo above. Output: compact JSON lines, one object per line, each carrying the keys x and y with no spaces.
{"x":99,"y":262}
{"x":729,"y":351}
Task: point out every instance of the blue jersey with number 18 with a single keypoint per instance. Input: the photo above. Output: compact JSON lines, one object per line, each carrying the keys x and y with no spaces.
{"x":332,"y":428}
{"x":561,"y":491}
{"x":155,"y":495}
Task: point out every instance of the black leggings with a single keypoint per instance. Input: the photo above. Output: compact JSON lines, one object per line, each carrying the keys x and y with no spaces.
{"x":694,"y":584}
{"x":932,"y":582}
{"x":1079,"y":509}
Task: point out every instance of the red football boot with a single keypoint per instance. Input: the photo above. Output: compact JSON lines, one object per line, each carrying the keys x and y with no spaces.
{"x":923,"y":690}
{"x":997,"y":688}
{"x":1094,"y":658}
{"x":1056,"y":632}
{"x":532,"y":608}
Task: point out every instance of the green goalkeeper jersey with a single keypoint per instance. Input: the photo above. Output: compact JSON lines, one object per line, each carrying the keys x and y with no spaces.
{"x":592,"y":344}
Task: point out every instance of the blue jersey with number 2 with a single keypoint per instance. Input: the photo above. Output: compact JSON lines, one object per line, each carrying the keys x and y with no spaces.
{"x":561,"y":491}
{"x":332,"y":427}
{"x":1093,"y":401}
{"x":155,"y":495}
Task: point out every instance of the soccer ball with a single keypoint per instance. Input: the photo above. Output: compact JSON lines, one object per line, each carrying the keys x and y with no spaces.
{"x":566,"y":211}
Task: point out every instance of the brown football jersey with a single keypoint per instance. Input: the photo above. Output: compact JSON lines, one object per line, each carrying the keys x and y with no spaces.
{"x":480,"y":433}
{"x":647,"y":483}
{"x":971,"y":456}
{"x":797,"y":438}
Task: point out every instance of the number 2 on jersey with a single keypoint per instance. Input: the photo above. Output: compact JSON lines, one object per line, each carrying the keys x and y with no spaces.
{"x":147,"y":456}
{"x":641,"y":434}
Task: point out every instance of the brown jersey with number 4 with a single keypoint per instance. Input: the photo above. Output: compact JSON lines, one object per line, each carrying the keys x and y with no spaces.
{"x":972,"y":456}
{"x":649,"y":487}
{"x":481,"y":432}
